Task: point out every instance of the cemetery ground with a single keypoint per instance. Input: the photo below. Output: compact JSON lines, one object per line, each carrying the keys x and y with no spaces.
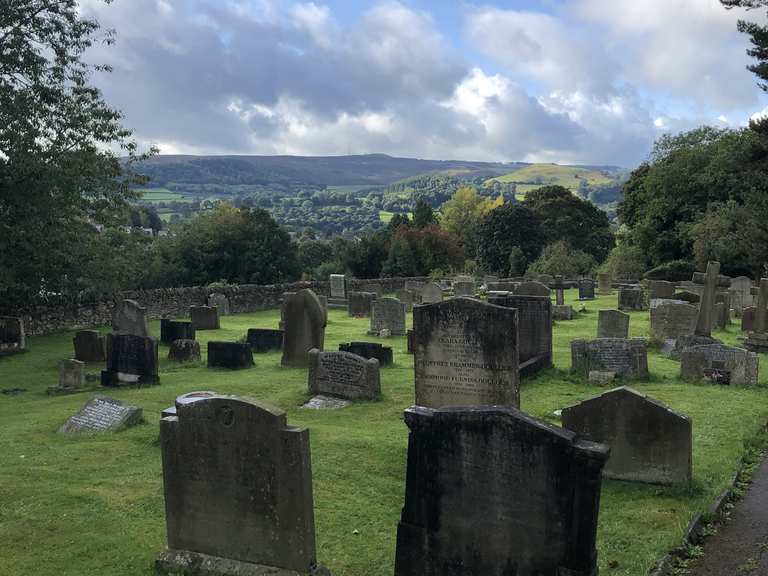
{"x":93,"y":504}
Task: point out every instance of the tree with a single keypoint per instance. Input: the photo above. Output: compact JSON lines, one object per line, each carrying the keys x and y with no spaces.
{"x":397,"y":221}
{"x":419,"y":252}
{"x":57,"y":168}
{"x":625,"y":261}
{"x":503,"y":229}
{"x":401,"y":261}
{"x":561,"y":259}
{"x":423,"y":215}
{"x":462,"y":214}
{"x":365,"y":258}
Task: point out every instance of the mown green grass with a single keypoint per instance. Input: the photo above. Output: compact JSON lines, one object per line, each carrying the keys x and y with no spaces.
{"x":93,"y":504}
{"x":162,"y":195}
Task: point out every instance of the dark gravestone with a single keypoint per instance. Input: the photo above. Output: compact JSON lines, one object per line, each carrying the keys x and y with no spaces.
{"x":409,"y":346}
{"x":232,"y":355}
{"x":219,"y":301}
{"x":359,"y":304}
{"x":625,"y":358}
{"x":102,"y":414}
{"x":131,"y":359}
{"x":534,"y":324}
{"x":305,"y":322}
{"x":586,"y":289}
{"x":187,"y":398}
{"x":719,"y":364}
{"x":90,"y":346}
{"x":129,"y":317}
{"x":466,"y":354}
{"x":649,"y":442}
{"x":238,"y":490}
{"x":370,"y":350}
{"x":171,"y":330}
{"x":12,"y":336}
{"x":632,"y":299}
{"x":343,"y":374}
{"x":612,"y":324}
{"x":204,"y":317}
{"x":388,"y":314}
{"x":184,"y":351}
{"x":494,"y":492}
{"x":721,"y":315}
{"x":748,"y":319}
{"x":559,"y":287}
{"x":661,"y":289}
{"x":264,"y":340}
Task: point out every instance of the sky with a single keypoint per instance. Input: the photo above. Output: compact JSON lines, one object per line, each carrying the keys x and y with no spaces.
{"x":568,"y":81}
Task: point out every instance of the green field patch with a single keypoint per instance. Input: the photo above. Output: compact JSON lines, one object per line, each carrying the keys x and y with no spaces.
{"x":152,"y":195}
{"x":538,"y":175}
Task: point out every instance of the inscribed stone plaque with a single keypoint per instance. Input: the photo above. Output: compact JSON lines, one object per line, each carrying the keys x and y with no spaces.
{"x":431,"y":293}
{"x":90,"y":346}
{"x":388,"y":314}
{"x":232,"y":355}
{"x":625,"y":358}
{"x":264,"y":340}
{"x":359,"y":304}
{"x":492,"y":491}
{"x":238,"y":486}
{"x":129,"y":317}
{"x":465,"y":354}
{"x":370,"y":350}
{"x":219,"y":301}
{"x":649,"y":442}
{"x":670,"y":321}
{"x":171,"y":330}
{"x":720,"y":364}
{"x":204,"y":317}
{"x":102,"y":414}
{"x":612,"y":324}
{"x":305,"y":322}
{"x":131,"y":359}
{"x":343,"y":374}
{"x":338,"y":285}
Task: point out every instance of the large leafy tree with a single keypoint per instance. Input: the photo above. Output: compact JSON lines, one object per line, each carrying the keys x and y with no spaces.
{"x":507,"y":230}
{"x":60,"y":149}
{"x":462,"y":214}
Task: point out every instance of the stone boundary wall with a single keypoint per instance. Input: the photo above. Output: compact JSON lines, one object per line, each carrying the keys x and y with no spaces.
{"x":175,"y":302}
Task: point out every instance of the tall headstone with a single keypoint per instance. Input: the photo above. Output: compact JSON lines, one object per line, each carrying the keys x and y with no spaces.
{"x":465,"y":354}
{"x":431,"y":293}
{"x":586,"y":289}
{"x":612,"y":324}
{"x":220,"y":301}
{"x":360,"y":304}
{"x":719,"y":364}
{"x":649,"y":441}
{"x":171,"y":330}
{"x":388,"y":314}
{"x":343,"y":374}
{"x":238,"y":490}
{"x":604,"y":284}
{"x":748,"y":319}
{"x":757,"y":341}
{"x":90,"y":346}
{"x":204,"y":317}
{"x":492,"y":491}
{"x":625,"y":358}
{"x":305,"y":322}
{"x":131,"y":359}
{"x":232,"y":355}
{"x":129,"y":317}
{"x":338,"y":286}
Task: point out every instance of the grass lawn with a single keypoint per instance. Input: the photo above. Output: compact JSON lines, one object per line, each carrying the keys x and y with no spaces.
{"x":153,"y":195}
{"x":92,"y":504}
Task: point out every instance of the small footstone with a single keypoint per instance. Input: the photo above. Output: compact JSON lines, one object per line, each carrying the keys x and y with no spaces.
{"x":326,"y":403}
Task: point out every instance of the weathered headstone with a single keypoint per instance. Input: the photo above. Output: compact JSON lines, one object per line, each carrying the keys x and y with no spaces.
{"x":343,"y":374}
{"x":407,"y":298}
{"x":264,"y":340}
{"x":612,"y":324}
{"x":466,"y":354}
{"x":741,"y":294}
{"x":410,"y":344}
{"x":559,"y":287}
{"x":464,"y":288}
{"x":710,"y":281}
{"x":431,"y":293}
{"x":204,"y":317}
{"x":232,"y":355}
{"x":376,"y":288}
{"x":564,"y":312}
{"x":129,"y":317}
{"x":649,"y":442}
{"x":71,"y":377}
{"x":338,"y":285}
{"x":103,"y":414}
{"x":532,"y":288}
{"x":388,"y":314}
{"x":238,"y":490}
{"x":171,"y":330}
{"x":370,"y":350}
{"x":604,"y":284}
{"x":670,"y":320}
{"x":721,"y":316}
{"x":359,"y":304}
{"x":632,"y":299}
{"x":220,"y":301}
{"x":757,"y":341}
{"x":184,"y":351}
{"x":305,"y":322}
{"x":131,"y":359}
{"x":90,"y":346}
{"x":661,"y":289}
{"x":627,"y":358}
{"x":586,"y":289}
{"x":492,"y":491}
{"x":719,"y":364}
{"x":748,"y":319}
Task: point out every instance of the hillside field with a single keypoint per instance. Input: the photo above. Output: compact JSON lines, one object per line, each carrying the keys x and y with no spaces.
{"x":537,"y":175}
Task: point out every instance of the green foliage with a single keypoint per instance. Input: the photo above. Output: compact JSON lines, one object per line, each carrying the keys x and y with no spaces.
{"x":423,"y":215}
{"x":674,"y":271}
{"x":625,"y":261}
{"x":561,"y":259}
{"x":365,"y":259}
{"x":398,"y":220}
{"x":517,"y":262}
{"x":504,"y":228}
{"x":725,"y":234}
{"x":462,"y":215}
{"x":314,"y":254}
{"x":417,"y":252}
{"x":401,"y":262}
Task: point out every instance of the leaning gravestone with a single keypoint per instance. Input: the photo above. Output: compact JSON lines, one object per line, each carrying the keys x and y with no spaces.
{"x":719,"y":364}
{"x":219,"y":301}
{"x":586,"y":289}
{"x":612,"y":324}
{"x":71,"y":377}
{"x":492,"y":491}
{"x":102,"y":414}
{"x":632,"y":299}
{"x":388,"y":314}
{"x":232,"y":355}
{"x":359,"y":304}
{"x":130,"y":360}
{"x":649,"y":442}
{"x":338,"y":286}
{"x":129,"y":317}
{"x":184,"y":351}
{"x":204,"y":317}
{"x":264,"y":340}
{"x":369,"y":350}
{"x":171,"y":330}
{"x":305,"y":322}
{"x":238,"y":491}
{"x":465,"y":354}
{"x":626,"y":358}
{"x":671,"y":320}
{"x":431,"y":293}
{"x":532,"y":288}
{"x":343,"y":374}
{"x":90,"y":346}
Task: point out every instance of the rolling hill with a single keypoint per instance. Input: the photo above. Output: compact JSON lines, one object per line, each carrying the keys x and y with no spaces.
{"x":574,"y":178}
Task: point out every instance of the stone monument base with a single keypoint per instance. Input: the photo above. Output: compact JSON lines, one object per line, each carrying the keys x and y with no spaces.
{"x":756,"y":342}
{"x":178,"y":562}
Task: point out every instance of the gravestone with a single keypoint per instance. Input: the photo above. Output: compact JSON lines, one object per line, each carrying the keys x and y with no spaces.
{"x":649,"y":441}
{"x":360,"y":304}
{"x":131,"y":359}
{"x":375,"y":288}
{"x":264,"y":340}
{"x":71,"y":377}
{"x":90,"y":346}
{"x":217,"y":300}
{"x":720,"y":364}
{"x":343,"y":374}
{"x":187,"y":398}
{"x":612,"y":324}
{"x":431,"y":293}
{"x":232,"y":355}
{"x":305,"y":322}
{"x":741,"y":294}
{"x":564,"y":312}
{"x":103,"y":414}
{"x":409,"y":346}
{"x":671,"y":320}
{"x":407,"y":298}
{"x":604,"y":284}
{"x":532,"y":288}
{"x":492,"y":491}
{"x":338,"y":286}
{"x":710,"y":282}
{"x":204,"y":317}
{"x":748,"y":319}
{"x":370,"y":350}
{"x":238,"y":490}
{"x":465,"y":354}
{"x":171,"y":330}
{"x":721,"y":316}
{"x":388,"y":314}
{"x":586,"y":289}
{"x":627,"y":358}
{"x":661,"y":289}
{"x":184,"y":351}
{"x":757,"y":341}
{"x":129,"y":317}
{"x":12,"y":336}
{"x":688,"y":296}
{"x":632,"y":299}
{"x":464,"y":288}
{"x":559,"y":287}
